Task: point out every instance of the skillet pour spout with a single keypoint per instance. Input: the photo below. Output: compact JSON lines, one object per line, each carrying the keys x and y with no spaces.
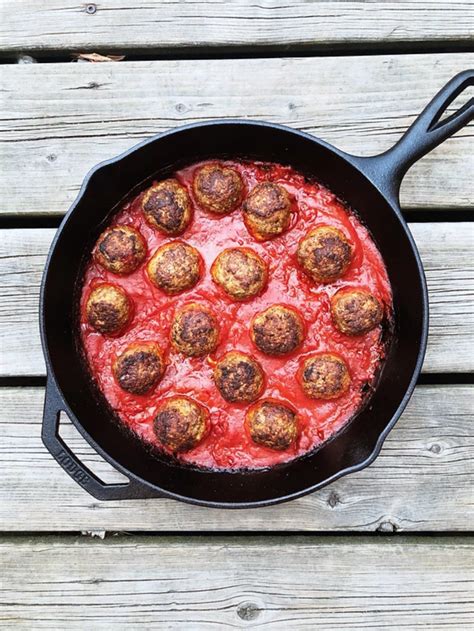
{"x":368,"y":184}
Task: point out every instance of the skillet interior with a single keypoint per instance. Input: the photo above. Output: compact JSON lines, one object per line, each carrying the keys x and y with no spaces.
{"x":113,"y":181}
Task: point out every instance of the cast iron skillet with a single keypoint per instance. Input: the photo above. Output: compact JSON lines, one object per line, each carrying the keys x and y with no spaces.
{"x":369,"y":185}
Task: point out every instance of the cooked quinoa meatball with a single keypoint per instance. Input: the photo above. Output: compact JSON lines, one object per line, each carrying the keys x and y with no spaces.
{"x":272,"y":424}
{"x":267,"y":211}
{"x":139,"y":368}
{"x":356,"y":311}
{"x":175,"y":267}
{"x":194,"y":331}
{"x":278,"y":330}
{"x":167,"y":207}
{"x":120,"y":249}
{"x":240,"y":272}
{"x":238,"y":377}
{"x":218,"y":189}
{"x":324,"y":376}
{"x":108,"y":309}
{"x":324,"y":254}
{"x":180,"y":424}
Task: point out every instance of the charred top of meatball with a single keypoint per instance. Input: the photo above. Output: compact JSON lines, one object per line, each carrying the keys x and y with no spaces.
{"x":120,"y":249}
{"x":180,"y":424}
{"x":267,"y":210}
{"x":355,"y":312}
{"x":194,"y":331}
{"x":324,"y":254}
{"x":272,"y":424}
{"x":167,"y":207}
{"x":240,"y":272}
{"x":324,"y":376}
{"x":108,"y":309}
{"x":239,"y":377}
{"x":218,"y":189}
{"x":140,"y":367}
{"x":175,"y":267}
{"x":278,"y":330}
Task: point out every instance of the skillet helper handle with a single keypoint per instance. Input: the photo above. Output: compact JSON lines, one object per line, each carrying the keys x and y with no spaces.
{"x":427,"y":132}
{"x":53,"y":442}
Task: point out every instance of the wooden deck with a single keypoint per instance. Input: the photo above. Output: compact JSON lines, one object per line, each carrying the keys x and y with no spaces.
{"x":387,"y":548}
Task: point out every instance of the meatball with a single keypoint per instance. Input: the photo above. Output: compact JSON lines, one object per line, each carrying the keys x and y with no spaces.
{"x":267,"y":210}
{"x":324,"y":376}
{"x":356,"y":311}
{"x":194,"y":331}
{"x":324,"y":254}
{"x":218,"y":189}
{"x":180,"y":424}
{"x":272,"y":424}
{"x":167,"y":207}
{"x":120,"y":249}
{"x":240,"y":272}
{"x":108,"y":309}
{"x":238,"y":377}
{"x":278,"y":330}
{"x":140,"y":367}
{"x":175,"y":267}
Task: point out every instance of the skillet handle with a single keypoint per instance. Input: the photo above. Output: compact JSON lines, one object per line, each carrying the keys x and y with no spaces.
{"x":427,"y":132}
{"x":70,"y":462}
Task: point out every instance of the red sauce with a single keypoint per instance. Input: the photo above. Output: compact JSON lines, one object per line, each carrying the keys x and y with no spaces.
{"x":227,"y":445}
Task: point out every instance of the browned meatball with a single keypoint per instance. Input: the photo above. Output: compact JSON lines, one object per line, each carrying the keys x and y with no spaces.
{"x":108,"y":309}
{"x":272,"y":424}
{"x":218,"y":189}
{"x":356,"y":311}
{"x":324,"y":376}
{"x":238,"y":377}
{"x":120,"y":249}
{"x":278,"y":330}
{"x":167,"y":207}
{"x":267,"y":210}
{"x":180,"y":424}
{"x":324,"y":254}
{"x":140,"y":367}
{"x":194,"y":331}
{"x":240,"y":272}
{"x":175,"y":267}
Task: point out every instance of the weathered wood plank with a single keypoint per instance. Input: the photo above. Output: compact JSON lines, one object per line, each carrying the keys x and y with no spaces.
{"x":59,"y":120}
{"x":155,"y":25}
{"x":324,"y":583}
{"x":446,"y":249}
{"x":422,"y":480}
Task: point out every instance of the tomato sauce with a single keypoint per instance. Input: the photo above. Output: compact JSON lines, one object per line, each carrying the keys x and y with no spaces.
{"x":227,"y":446}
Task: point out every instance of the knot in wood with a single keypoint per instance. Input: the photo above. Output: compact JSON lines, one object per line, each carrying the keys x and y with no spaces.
{"x":248,"y":611}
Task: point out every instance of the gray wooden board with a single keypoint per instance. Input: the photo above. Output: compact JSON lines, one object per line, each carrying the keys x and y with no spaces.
{"x":422,"y":480}
{"x":326,"y":583}
{"x":156,"y":25}
{"x":446,"y":250}
{"x":59,"y":120}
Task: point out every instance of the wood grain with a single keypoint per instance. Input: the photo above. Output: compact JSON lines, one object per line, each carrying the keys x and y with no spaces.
{"x":422,"y":480}
{"x":62,"y":25}
{"x":59,"y":120}
{"x":327,"y":584}
{"x":446,"y":250}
